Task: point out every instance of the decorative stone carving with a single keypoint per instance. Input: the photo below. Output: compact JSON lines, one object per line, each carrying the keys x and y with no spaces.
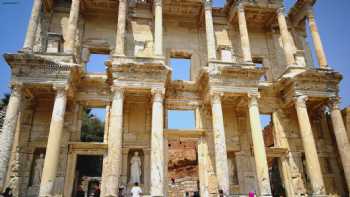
{"x":38,"y":170}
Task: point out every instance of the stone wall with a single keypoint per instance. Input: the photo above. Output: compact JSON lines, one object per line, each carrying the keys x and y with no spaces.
{"x":2,"y":117}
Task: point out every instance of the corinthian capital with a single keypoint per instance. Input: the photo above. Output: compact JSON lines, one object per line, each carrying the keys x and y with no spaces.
{"x":280,"y":10}
{"x":158,"y":2}
{"x":300,"y":100}
{"x":158,"y":94}
{"x":333,"y":103}
{"x":16,"y":89}
{"x":117,"y":92}
{"x":208,"y":4}
{"x":215,"y":97}
{"x":253,"y":99}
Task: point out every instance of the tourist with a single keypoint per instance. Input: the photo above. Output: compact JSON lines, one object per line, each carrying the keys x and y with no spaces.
{"x":80,"y":191}
{"x":7,"y":193}
{"x":136,"y":190}
{"x":221,"y":193}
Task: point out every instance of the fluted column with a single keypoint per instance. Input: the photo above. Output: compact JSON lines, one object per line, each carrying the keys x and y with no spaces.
{"x":287,"y":44}
{"x":72,"y":27}
{"x":120,"y":36}
{"x":32,"y":26}
{"x":158,"y":27}
{"x":243,"y":31}
{"x":341,"y":137}
{"x":157,"y":145}
{"x":209,"y":27}
{"x":113,"y":165}
{"x":262,"y":169}
{"x":8,"y":131}
{"x":221,"y":162}
{"x":312,"y":160}
{"x":321,"y":55}
{"x":53,"y":143}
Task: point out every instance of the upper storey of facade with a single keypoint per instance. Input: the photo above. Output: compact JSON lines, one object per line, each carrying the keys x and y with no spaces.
{"x":240,"y":32}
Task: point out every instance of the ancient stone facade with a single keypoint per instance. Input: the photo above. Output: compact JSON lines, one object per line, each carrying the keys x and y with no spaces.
{"x":247,"y":59}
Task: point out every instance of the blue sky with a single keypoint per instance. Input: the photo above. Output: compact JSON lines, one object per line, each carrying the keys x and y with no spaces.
{"x":332,"y":19}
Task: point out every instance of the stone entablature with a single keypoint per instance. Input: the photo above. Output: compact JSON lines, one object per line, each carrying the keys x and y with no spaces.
{"x":247,"y":59}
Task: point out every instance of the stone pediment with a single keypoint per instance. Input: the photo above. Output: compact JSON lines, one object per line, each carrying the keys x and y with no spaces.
{"x":34,"y":69}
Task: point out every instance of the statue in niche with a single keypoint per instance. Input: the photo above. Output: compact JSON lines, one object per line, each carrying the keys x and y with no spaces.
{"x":135,"y":169}
{"x":38,"y":170}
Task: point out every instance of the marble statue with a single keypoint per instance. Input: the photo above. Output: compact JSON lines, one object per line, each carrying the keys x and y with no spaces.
{"x":135,"y":169}
{"x":38,"y":170}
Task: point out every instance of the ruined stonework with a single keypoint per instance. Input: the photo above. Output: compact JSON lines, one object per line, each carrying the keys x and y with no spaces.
{"x":248,"y":58}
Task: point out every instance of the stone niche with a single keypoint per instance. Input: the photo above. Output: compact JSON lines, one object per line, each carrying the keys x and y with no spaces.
{"x":36,"y":171}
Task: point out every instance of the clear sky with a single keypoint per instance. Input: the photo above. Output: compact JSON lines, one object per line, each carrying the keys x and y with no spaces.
{"x":332,"y":19}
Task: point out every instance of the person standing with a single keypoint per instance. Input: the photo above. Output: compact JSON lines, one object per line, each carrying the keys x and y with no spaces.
{"x":7,"y":193}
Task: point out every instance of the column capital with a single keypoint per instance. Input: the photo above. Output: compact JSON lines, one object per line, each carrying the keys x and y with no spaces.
{"x":240,"y":7}
{"x":300,"y":100}
{"x":333,"y":103}
{"x":16,"y":88}
{"x":158,"y":94}
{"x":60,"y":87}
{"x":280,"y":10}
{"x":215,"y":97}
{"x":117,"y":92}
{"x":208,"y":4}
{"x":158,"y":2}
{"x":253,"y":99}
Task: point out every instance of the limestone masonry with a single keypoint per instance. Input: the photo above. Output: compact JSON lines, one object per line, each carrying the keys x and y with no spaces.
{"x":248,"y":60}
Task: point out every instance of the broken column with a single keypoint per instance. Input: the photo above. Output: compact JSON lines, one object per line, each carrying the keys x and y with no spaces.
{"x":209,"y":27}
{"x":243,"y":31}
{"x":158,"y":28}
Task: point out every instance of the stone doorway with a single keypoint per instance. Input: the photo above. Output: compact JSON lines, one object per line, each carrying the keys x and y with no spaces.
{"x":88,"y":174}
{"x":182,"y":169}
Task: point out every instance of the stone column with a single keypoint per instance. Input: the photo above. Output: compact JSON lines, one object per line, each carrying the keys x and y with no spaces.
{"x":32,"y":26}
{"x":321,"y":55}
{"x":287,"y":43}
{"x":113,"y":165}
{"x":157,"y":144}
{"x":54,"y":143}
{"x":120,"y":36}
{"x":221,"y":162}
{"x":158,"y":28}
{"x":262,"y":169}
{"x":8,"y":131}
{"x":341,"y":137}
{"x":72,"y":27}
{"x":209,"y":27}
{"x":312,"y":160}
{"x":243,"y":31}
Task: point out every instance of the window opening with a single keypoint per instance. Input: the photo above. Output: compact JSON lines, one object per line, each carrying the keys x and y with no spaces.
{"x":92,"y":129}
{"x":96,"y":63}
{"x":178,"y":119}
{"x":181,"y":68}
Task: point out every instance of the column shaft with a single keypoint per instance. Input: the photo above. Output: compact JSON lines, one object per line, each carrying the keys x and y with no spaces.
{"x":114,"y":155}
{"x":72,"y":27}
{"x":341,"y":137}
{"x":312,"y":160}
{"x":32,"y":26}
{"x":287,"y":43}
{"x":8,"y":132}
{"x":321,"y":55}
{"x":262,"y":169}
{"x":221,"y":161}
{"x":209,"y":27}
{"x":157,"y":145}
{"x":243,"y":31}
{"x":120,"y":36}
{"x":158,"y":28}
{"x":53,"y":144}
